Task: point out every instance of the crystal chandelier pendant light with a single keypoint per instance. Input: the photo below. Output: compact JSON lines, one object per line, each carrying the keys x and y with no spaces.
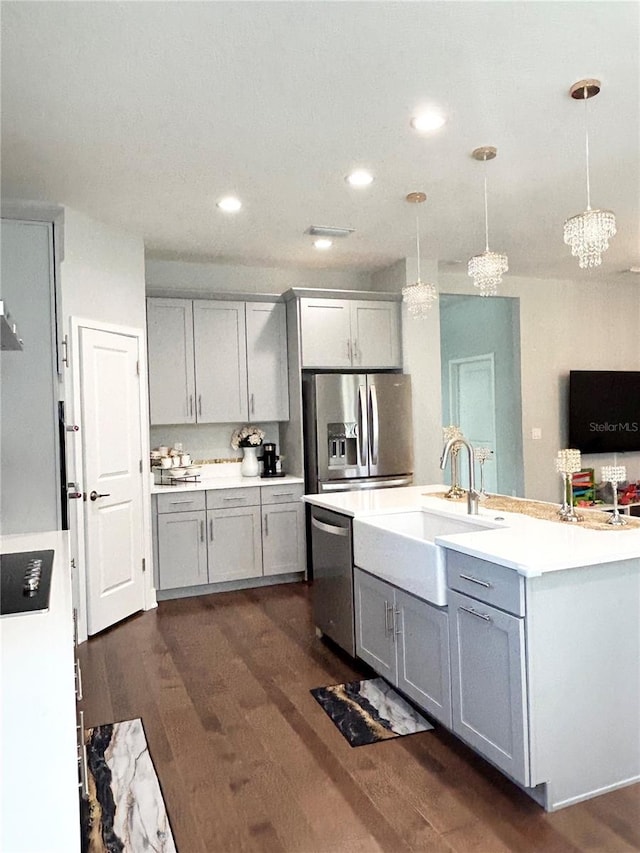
{"x":487,"y":269}
{"x":419,"y":296}
{"x":588,"y":233}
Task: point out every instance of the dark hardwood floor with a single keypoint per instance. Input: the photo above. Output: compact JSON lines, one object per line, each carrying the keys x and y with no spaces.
{"x":248,"y":761}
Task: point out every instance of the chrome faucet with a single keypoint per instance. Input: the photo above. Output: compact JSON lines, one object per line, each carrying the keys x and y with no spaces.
{"x":472,"y":494}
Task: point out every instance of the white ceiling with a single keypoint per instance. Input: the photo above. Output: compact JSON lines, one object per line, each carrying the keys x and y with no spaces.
{"x":142,"y":114}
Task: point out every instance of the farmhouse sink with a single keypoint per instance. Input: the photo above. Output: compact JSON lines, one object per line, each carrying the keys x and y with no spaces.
{"x":400,"y":548}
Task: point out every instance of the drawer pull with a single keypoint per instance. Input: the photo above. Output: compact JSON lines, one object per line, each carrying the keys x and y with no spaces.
{"x":82,"y":759}
{"x":473,"y":612}
{"x":283,"y":494}
{"x":234,"y":499}
{"x":187,"y":501}
{"x":485,"y":584}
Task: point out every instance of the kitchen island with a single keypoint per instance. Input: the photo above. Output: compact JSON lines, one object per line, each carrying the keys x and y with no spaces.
{"x":39,"y":750}
{"x":533,"y":656}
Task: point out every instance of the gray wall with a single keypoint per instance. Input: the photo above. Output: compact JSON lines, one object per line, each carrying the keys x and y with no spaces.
{"x":29,"y":477}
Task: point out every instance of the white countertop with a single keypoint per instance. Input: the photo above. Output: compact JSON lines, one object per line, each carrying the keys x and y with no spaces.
{"x":40,"y":797}
{"x":230,"y":480}
{"x":528,"y":545}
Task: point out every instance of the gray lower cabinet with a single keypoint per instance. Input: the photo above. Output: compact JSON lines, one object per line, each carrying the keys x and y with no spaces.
{"x":221,"y":535}
{"x":489,"y":682}
{"x":235,"y":547}
{"x":405,"y":640}
{"x":283,"y":548}
{"x":182,"y":549}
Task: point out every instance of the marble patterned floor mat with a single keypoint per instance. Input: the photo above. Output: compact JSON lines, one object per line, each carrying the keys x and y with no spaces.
{"x":369,"y":711}
{"x":125,"y":811}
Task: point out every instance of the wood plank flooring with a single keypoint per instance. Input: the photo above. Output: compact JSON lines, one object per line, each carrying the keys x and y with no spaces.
{"x":248,"y":761}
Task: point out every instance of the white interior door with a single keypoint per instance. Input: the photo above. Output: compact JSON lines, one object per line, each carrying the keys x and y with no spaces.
{"x":111,"y":446}
{"x":473,"y":408}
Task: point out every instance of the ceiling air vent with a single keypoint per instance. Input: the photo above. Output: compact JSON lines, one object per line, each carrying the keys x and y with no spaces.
{"x":328,"y":231}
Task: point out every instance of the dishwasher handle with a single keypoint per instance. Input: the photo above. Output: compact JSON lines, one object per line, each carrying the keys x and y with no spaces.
{"x":333,"y":529}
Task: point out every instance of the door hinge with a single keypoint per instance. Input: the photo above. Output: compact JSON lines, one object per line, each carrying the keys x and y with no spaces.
{"x":140,"y":466}
{"x":65,"y":350}
{"x":138,"y":368}
{"x":144,"y":565}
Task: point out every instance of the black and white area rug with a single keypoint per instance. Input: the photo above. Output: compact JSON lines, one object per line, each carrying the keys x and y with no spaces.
{"x":125,"y":811}
{"x":369,"y":711}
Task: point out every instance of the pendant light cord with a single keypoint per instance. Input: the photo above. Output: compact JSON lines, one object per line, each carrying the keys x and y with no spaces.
{"x":586,"y":147}
{"x":418,"y":242}
{"x":486,"y":210}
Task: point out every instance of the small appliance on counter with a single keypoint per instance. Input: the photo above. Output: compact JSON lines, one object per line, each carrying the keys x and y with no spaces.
{"x":270,"y":461}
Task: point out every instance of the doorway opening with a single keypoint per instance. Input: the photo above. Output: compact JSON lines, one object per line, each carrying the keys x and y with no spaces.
{"x":481,"y":391}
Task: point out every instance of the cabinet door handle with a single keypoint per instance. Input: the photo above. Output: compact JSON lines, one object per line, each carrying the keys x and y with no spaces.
{"x":476,"y":613}
{"x":211,"y":536}
{"x":349,"y":350}
{"x":396,"y":621}
{"x":266,"y":524}
{"x":471,"y":579}
{"x":202,"y":531}
{"x":356,"y":352}
{"x":253,"y":404}
{"x":388,"y":608}
{"x":200,"y":404}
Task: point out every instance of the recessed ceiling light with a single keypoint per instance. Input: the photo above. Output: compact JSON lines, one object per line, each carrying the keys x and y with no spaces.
{"x":230,"y":204}
{"x":323,"y":243}
{"x":427,"y":120}
{"x":634,"y":269}
{"x":359,"y":178}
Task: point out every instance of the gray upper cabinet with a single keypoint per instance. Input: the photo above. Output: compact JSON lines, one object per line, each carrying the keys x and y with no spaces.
{"x":267,"y":381}
{"x":220,"y":361}
{"x":214,"y":361}
{"x":171,"y":366}
{"x":350,"y":333}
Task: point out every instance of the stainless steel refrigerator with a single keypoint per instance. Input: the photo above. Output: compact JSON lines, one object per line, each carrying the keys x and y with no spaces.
{"x":358,"y":431}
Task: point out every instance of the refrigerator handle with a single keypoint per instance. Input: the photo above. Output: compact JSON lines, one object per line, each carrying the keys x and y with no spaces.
{"x":375,"y":436}
{"x":363,"y":426}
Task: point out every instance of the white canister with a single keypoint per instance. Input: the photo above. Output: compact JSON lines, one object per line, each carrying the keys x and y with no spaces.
{"x":185,"y":460}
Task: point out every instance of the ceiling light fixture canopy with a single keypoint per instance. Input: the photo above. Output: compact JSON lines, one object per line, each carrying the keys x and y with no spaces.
{"x":419,"y":296}
{"x":487,"y":269}
{"x":588,"y":233}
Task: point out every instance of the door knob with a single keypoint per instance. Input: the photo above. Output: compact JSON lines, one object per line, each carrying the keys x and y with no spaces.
{"x":94,"y":495}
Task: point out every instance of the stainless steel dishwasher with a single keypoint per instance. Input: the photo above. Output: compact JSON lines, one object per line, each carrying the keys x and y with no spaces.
{"x":332,"y":592}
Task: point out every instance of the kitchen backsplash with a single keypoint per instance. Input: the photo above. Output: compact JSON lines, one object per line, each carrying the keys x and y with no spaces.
{"x":207,"y":442}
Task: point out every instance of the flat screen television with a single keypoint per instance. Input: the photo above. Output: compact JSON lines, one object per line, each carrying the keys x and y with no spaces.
{"x":604,"y":410}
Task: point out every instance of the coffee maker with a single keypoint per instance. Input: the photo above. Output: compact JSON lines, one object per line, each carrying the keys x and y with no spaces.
{"x":269,"y":461}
